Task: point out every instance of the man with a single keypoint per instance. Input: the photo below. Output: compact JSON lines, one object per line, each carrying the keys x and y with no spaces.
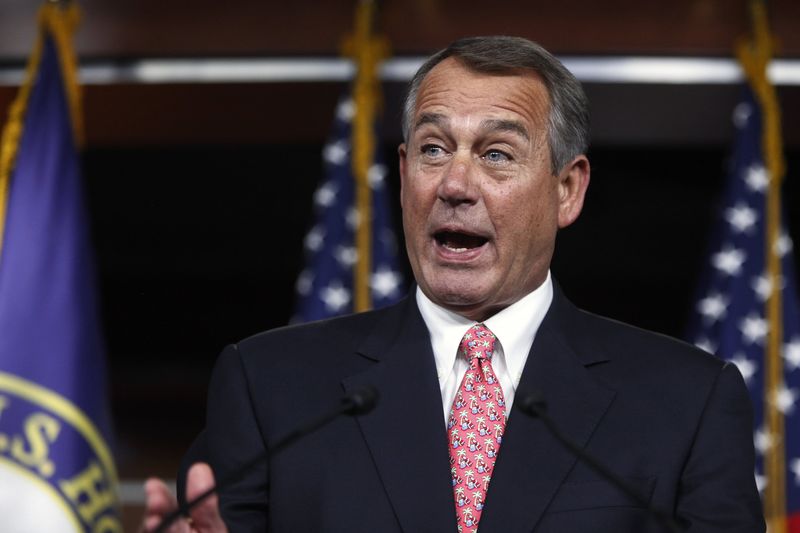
{"x":493,"y":164}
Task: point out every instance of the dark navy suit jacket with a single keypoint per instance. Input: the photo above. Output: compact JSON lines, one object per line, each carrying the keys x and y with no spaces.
{"x":672,"y":420}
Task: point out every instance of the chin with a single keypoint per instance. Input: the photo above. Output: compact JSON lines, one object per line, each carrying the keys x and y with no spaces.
{"x":457,"y":297}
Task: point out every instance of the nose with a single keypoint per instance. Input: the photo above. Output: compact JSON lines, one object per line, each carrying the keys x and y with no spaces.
{"x":459,"y":183}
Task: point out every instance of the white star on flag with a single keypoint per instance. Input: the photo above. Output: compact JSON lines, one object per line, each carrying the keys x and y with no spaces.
{"x":315,"y":238}
{"x":794,"y":467}
{"x":761,"y":482}
{"x":747,"y":367}
{"x":741,"y":218}
{"x":791,"y":353}
{"x":335,"y":297}
{"x":352,"y":217}
{"x":729,"y":260}
{"x":385,"y":282}
{"x":336,"y":153}
{"x":762,"y":441}
{"x":763,"y":286}
{"x":754,"y":328}
{"x":713,"y":307}
{"x":741,"y":113}
{"x":304,"y":282}
{"x":346,"y":255}
{"x":387,"y":238}
{"x":756,"y":178}
{"x":325,"y":195}
{"x":784,"y":399}
{"x":376,"y":175}
{"x":784,"y":244}
{"x":346,"y":110}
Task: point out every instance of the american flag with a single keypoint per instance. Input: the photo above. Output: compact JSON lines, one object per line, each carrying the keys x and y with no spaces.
{"x":325,"y":286}
{"x":730,"y":318}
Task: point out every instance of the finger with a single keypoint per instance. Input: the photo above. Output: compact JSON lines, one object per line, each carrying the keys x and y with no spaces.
{"x":205,"y":516}
{"x":158,"y":498}
{"x":159,"y":502}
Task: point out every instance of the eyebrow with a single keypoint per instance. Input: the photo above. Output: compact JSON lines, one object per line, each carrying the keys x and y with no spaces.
{"x":505,"y":125}
{"x":437,"y":119}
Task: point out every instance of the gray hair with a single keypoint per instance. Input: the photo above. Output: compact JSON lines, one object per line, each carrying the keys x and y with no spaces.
{"x":568,"y":119}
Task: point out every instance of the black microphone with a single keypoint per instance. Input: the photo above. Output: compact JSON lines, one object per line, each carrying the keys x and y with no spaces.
{"x":358,"y":402}
{"x":534,"y":405}
{"x":361,"y":401}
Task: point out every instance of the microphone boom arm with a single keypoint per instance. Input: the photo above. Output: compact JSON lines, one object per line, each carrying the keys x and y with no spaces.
{"x":360,"y":401}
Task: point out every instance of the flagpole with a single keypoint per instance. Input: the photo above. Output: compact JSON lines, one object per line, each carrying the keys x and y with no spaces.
{"x":367,"y":51}
{"x":754,"y":56}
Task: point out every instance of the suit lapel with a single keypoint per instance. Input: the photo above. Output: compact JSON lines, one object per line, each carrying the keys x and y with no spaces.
{"x":406,"y":431}
{"x":532,"y":464}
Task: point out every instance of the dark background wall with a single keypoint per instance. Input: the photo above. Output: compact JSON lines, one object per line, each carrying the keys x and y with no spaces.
{"x":200,"y":194}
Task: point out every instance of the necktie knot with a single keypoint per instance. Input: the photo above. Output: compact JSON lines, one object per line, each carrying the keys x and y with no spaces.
{"x":478,"y":343}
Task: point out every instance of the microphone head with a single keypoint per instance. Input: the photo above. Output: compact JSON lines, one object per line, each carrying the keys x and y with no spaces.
{"x":361,"y":401}
{"x":532,"y":403}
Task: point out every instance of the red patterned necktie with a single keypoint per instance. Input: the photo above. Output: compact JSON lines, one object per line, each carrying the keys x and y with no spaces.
{"x":475,"y":428}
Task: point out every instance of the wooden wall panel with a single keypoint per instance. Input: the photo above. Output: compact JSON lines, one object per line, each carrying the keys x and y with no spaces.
{"x":252,"y":27}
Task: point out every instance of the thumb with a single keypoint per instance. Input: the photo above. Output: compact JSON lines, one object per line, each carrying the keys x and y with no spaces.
{"x":205,"y":515}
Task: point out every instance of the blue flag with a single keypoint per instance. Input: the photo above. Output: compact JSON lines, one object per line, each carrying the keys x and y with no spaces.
{"x":730,"y":318}
{"x":325,"y":287}
{"x":56,"y":470}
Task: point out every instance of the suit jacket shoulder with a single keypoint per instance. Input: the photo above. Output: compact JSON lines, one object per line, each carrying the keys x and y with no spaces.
{"x":647,"y":356}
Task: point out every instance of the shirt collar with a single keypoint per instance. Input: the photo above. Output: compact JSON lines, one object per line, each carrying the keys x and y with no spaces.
{"x":515,"y":327}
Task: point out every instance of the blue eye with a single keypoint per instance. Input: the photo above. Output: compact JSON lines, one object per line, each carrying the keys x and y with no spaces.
{"x":496,"y":156}
{"x":432,"y":150}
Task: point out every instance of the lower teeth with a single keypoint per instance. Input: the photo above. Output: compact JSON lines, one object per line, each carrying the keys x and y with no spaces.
{"x":456,"y":249}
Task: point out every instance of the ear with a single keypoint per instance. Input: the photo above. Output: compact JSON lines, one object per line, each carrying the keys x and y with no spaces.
{"x":402,"y":152}
{"x":573,"y":180}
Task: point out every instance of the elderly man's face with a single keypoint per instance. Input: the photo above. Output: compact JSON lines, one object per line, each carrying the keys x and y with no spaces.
{"x":481,"y":206}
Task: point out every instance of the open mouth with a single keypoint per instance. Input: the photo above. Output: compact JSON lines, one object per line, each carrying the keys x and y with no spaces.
{"x":459,"y":242}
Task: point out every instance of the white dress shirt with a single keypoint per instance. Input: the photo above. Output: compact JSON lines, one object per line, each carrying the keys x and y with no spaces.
{"x":514,"y":328}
